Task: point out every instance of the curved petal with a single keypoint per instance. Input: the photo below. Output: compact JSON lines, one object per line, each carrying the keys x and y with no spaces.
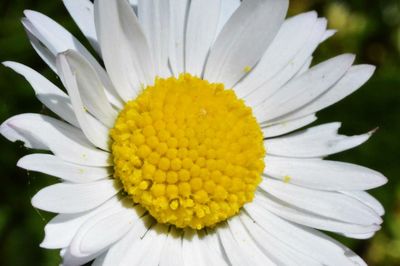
{"x":105,"y":228}
{"x":124,"y":47}
{"x":44,"y":53}
{"x":322,"y":174}
{"x":74,"y":198}
{"x":355,"y":77}
{"x":82,"y":12}
{"x":119,"y":250}
{"x":330,"y":204}
{"x":49,"y":39}
{"x":304,"y":89}
{"x":271,"y":86}
{"x":60,"y":231}
{"x":244,"y":39}
{"x":367,"y":199}
{"x":95,"y":131}
{"x":310,"y":242}
{"x":319,"y":141}
{"x":200,"y":33}
{"x":47,"y":93}
{"x":304,"y":217}
{"x":228,"y":7}
{"x":46,"y":133}
{"x":290,"y":39}
{"x":91,"y":88}
{"x":279,"y":251}
{"x":54,"y":166}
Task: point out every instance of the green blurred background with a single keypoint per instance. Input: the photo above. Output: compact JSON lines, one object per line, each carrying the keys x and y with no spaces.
{"x":370,"y":29}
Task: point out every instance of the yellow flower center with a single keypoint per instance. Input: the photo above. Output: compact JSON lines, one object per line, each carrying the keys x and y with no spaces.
{"x":188,"y":151}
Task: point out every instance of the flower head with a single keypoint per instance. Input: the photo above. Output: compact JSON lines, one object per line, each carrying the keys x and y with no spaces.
{"x":179,"y":151}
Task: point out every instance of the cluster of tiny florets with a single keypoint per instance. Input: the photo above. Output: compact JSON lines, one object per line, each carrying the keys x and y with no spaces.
{"x":188,"y":151}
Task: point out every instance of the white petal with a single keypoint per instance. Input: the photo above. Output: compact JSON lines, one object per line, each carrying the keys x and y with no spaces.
{"x":305,"y":240}
{"x":319,"y":141}
{"x":105,"y":228}
{"x":245,"y":241}
{"x":147,"y":251}
{"x":323,"y":175}
{"x":94,"y":130}
{"x":133,"y":3}
{"x":53,"y":36}
{"x":304,"y":89}
{"x":48,"y":93}
{"x":200,"y":33}
{"x":355,"y":77}
{"x":172,"y":252}
{"x":328,"y":34}
{"x":244,"y":39}
{"x":305,"y":67}
{"x":40,"y":48}
{"x":211,"y":256}
{"x":286,"y":127}
{"x":367,"y":199}
{"x":91,"y":88}
{"x":154,"y":17}
{"x":124,"y":47}
{"x":228,"y":7}
{"x":74,"y":198}
{"x":60,"y":231}
{"x":360,"y":236}
{"x":191,"y":249}
{"x":99,"y":261}
{"x":54,"y":166}
{"x":120,"y":249}
{"x":65,"y":141}
{"x":334,"y":205}
{"x":271,"y":86}
{"x":70,"y":260}
{"x":290,"y":39}
{"x":212,"y":240}
{"x":279,"y":251}
{"x":303,"y":217}
{"x":179,"y":10}
{"x":56,"y":40}
{"x":83,"y":14}
{"x":235,"y":253}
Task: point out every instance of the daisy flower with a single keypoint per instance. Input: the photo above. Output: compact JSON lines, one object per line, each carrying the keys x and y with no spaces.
{"x":174,"y":144}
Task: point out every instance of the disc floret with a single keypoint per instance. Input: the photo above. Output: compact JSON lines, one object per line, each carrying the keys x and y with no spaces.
{"x":188,"y":151}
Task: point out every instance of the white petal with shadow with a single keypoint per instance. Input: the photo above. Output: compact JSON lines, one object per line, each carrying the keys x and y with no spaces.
{"x":319,"y":141}
{"x":201,"y":28}
{"x":304,"y":89}
{"x":130,"y":65}
{"x":46,"y":133}
{"x":54,"y":166}
{"x":244,"y":39}
{"x":83,"y":14}
{"x":93,"y":129}
{"x":48,"y":93}
{"x":75,"y":198}
{"x":323,"y":174}
{"x":60,"y":230}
